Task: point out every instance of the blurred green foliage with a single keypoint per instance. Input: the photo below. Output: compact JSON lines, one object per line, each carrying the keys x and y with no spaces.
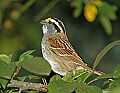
{"x":17,"y":30}
{"x":92,"y":8}
{"x":20,"y":29}
{"x":38,"y":68}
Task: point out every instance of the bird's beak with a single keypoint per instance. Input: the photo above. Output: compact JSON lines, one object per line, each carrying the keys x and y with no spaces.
{"x":43,"y":22}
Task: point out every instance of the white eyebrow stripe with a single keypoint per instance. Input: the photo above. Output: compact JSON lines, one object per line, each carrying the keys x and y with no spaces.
{"x":52,"y":20}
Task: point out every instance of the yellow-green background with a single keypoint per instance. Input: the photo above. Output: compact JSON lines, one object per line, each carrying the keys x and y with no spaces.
{"x":25,"y":33}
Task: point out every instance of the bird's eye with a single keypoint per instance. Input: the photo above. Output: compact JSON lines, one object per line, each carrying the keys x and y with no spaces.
{"x":55,"y":25}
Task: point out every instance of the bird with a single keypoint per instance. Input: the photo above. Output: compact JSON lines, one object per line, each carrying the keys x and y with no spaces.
{"x":58,"y":51}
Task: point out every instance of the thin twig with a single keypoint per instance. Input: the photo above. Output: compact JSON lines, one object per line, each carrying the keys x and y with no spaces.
{"x":27,"y":85}
{"x":26,"y":6}
{"x":46,"y":9}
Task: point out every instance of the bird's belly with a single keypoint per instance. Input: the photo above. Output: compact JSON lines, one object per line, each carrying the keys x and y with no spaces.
{"x":59,"y":64}
{"x":55,"y":66}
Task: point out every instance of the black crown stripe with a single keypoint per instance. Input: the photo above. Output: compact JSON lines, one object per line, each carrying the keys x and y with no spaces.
{"x":60,"y":23}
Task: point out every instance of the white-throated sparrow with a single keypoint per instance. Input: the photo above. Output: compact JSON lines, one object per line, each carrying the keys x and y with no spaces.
{"x":58,"y":51}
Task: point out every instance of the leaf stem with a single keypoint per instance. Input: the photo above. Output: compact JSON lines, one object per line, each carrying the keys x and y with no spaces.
{"x":104,"y":51}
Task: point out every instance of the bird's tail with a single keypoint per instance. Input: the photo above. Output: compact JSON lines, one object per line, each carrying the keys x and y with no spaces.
{"x":95,"y":72}
{"x":98,"y":72}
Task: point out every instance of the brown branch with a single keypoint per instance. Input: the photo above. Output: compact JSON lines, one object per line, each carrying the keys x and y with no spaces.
{"x":27,"y":85}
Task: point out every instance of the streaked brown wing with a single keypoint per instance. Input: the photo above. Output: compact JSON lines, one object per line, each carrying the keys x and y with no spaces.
{"x":62,"y":47}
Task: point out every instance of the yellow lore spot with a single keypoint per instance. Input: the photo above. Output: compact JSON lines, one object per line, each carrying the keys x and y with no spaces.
{"x":48,"y":19}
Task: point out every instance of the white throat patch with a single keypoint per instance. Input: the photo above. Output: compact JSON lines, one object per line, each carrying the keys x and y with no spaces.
{"x":44,"y":28}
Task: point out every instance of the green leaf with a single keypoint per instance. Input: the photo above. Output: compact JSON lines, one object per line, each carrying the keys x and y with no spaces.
{"x":79,"y":73}
{"x":83,"y":77}
{"x":72,"y":76}
{"x":105,"y":21}
{"x":60,"y":86}
{"x":116,"y":71}
{"x":37,"y":65}
{"x":34,"y":91}
{"x":84,"y":88}
{"x":3,"y":82}
{"x":22,"y":78}
{"x":5,"y":58}
{"x":33,"y":77}
{"x":7,"y":70}
{"x":10,"y":58}
{"x":79,"y":76}
{"x":115,"y":90}
{"x":68,"y":76}
{"x":105,"y":82}
{"x":104,"y":51}
{"x":56,"y":77}
{"x":26,"y":55}
{"x":114,"y":74}
{"x":115,"y":86}
{"x":105,"y":76}
{"x":78,"y":4}
{"x":108,"y":10}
